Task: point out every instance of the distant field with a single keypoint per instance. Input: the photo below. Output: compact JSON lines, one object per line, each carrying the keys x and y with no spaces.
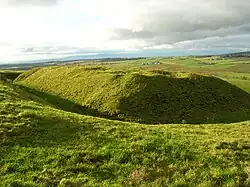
{"x":243,"y":84}
{"x":51,"y":140}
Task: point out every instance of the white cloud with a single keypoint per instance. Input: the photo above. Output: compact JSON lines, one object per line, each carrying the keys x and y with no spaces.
{"x":73,"y":26}
{"x":11,"y":3}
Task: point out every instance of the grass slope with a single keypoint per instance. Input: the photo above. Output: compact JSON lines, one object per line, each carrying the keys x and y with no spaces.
{"x":42,"y":146}
{"x":146,"y":96}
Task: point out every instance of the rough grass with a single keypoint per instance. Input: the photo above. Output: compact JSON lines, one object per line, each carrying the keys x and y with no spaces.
{"x":143,"y":96}
{"x":42,"y":146}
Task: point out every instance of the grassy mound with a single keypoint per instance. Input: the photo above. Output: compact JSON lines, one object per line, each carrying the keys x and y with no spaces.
{"x":147,"y":97}
{"x":42,"y":146}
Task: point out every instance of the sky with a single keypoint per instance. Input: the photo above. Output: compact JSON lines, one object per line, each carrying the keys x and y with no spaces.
{"x":48,"y":29}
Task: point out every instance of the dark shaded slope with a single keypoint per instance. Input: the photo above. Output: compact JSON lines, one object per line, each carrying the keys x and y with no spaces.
{"x":9,"y":75}
{"x":194,"y":99}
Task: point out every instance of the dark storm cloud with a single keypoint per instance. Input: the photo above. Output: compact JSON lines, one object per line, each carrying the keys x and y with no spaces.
{"x":245,"y":28}
{"x":170,"y":22}
{"x":18,"y":3}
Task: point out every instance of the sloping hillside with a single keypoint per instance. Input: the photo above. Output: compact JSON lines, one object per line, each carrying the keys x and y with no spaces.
{"x":147,"y":96}
{"x":42,"y":146}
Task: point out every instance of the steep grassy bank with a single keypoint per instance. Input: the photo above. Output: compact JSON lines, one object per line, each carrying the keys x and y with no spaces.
{"x":42,"y":146}
{"x":146,"y":96}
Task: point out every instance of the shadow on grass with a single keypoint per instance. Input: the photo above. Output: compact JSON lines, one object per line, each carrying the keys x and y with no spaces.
{"x":46,"y":127}
{"x":9,"y":76}
{"x":62,"y":104}
{"x":46,"y":131}
{"x":193,"y":100}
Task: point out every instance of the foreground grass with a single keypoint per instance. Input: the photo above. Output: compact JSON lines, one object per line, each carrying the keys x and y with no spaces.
{"x":43,"y":146}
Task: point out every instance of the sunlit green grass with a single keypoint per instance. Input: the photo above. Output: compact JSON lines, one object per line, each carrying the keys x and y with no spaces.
{"x":42,"y":146}
{"x":243,"y":84}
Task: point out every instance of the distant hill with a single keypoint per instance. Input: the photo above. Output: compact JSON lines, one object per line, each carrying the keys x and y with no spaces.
{"x":240,"y":54}
{"x":26,"y":65}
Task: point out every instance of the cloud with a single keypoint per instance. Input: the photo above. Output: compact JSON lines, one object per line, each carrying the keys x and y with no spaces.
{"x":120,"y":33}
{"x":228,"y":42}
{"x":48,"y":27}
{"x":17,"y":3}
{"x":51,"y":50}
{"x":3,"y":44}
{"x":168,"y":22}
{"x":40,"y":52}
